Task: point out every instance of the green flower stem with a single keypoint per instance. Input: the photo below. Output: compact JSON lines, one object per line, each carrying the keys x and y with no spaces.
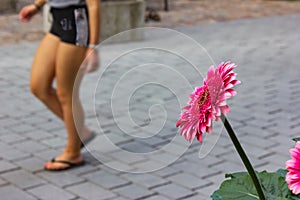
{"x":244,"y":157}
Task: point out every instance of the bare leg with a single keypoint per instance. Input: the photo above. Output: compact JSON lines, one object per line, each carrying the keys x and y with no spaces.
{"x":68,"y":61}
{"x":43,"y":72}
{"x":42,"y":76}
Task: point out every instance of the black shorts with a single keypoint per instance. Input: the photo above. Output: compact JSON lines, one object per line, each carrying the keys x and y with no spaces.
{"x":71,"y":25}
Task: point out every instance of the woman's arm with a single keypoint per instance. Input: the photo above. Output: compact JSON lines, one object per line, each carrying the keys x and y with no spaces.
{"x":94,"y":21}
{"x":29,"y":11}
{"x":40,"y":3}
{"x":92,"y":62}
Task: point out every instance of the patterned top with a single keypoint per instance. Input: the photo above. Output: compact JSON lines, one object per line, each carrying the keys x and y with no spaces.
{"x":65,"y":3}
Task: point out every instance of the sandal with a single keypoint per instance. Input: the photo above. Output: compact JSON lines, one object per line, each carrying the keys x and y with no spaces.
{"x":88,"y":139}
{"x":69,"y":164}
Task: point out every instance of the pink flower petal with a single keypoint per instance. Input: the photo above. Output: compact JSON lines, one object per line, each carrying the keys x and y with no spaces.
{"x":208,"y":102}
{"x":293,"y":166}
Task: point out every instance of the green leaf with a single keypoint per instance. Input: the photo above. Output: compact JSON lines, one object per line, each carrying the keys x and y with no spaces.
{"x":241,"y":187}
{"x":282,"y":172}
{"x":294,"y":197}
{"x":236,"y":175}
{"x":296,"y":139}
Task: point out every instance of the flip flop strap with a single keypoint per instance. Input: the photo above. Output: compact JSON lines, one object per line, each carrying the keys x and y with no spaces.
{"x":65,"y":162}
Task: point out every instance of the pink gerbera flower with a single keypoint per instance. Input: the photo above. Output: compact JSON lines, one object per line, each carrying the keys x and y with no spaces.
{"x":220,"y":82}
{"x":293,"y":166}
{"x":208,"y":102}
{"x":197,"y":117}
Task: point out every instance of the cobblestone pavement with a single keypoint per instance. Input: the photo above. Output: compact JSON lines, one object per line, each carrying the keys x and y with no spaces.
{"x":264,"y":114}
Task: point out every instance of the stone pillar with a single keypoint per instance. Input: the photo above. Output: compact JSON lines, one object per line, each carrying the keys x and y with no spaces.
{"x":7,"y":6}
{"x":116,"y":17}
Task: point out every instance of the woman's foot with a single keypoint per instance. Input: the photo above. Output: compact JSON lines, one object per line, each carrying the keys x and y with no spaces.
{"x":69,"y":160}
{"x":63,"y":162}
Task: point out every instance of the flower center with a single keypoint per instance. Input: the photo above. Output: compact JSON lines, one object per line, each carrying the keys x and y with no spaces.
{"x":203,"y":98}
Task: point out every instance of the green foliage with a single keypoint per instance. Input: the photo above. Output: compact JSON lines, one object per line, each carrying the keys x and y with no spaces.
{"x":241,"y":187}
{"x":296,"y":139}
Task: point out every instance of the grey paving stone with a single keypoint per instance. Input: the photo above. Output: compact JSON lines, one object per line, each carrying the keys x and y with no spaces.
{"x":14,"y":154}
{"x":15,"y":114}
{"x":4,"y":146}
{"x":90,"y":191}
{"x":47,"y":154}
{"x":22,"y":128}
{"x":50,"y":126}
{"x":137,"y":147}
{"x":23,"y":179}
{"x":257,"y":141}
{"x":194,"y":169}
{"x":239,"y":117}
{"x":234,"y":158}
{"x":119,"y":198}
{"x":60,"y":132}
{"x":281,"y":139}
{"x":164,"y":157}
{"x":157,"y":197}
{"x":217,"y":179}
{"x":149,"y":165}
{"x":173,"y":191}
{"x":206,"y":192}
{"x":87,"y":168}
{"x":282,"y":149}
{"x":119,"y":165}
{"x":8,"y":122}
{"x":38,"y":135}
{"x":96,"y":158}
{"x":31,"y":164}
{"x":253,"y":151}
{"x":13,"y":193}
{"x":277,"y":159}
{"x":133,"y":191}
{"x":33,"y":119}
{"x":212,"y":148}
{"x":208,"y":160}
{"x":189,"y":181}
{"x":6,"y":166}
{"x":234,"y":167}
{"x":50,"y":192}
{"x":118,"y":138}
{"x":270,"y":167}
{"x":62,"y":179}
{"x":55,"y":142}
{"x":167,"y":171}
{"x":147,"y":180}
{"x":106,"y":147}
{"x":256,"y":131}
{"x":132,"y":158}
{"x":30,"y":146}
{"x":4,"y":131}
{"x":196,"y":197}
{"x":154,"y":141}
{"x":224,"y":140}
{"x":176,"y":149}
{"x":12,"y":138}
{"x":106,"y":179}
{"x":2,"y":182}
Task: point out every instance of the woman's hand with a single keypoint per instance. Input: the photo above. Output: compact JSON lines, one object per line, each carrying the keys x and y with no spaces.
{"x":28,"y":12}
{"x":92,"y":60}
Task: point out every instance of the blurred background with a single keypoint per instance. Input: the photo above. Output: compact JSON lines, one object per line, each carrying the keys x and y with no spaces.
{"x":161,"y":13}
